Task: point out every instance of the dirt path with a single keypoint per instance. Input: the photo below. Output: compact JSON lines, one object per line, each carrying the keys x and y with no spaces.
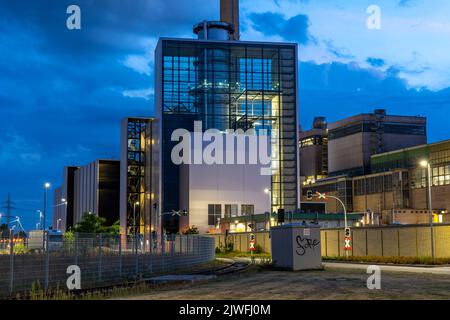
{"x":327,"y":284}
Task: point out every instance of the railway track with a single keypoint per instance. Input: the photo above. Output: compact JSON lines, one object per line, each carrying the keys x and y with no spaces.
{"x":235,"y":267}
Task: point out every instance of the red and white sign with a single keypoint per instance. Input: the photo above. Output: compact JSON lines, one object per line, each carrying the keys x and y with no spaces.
{"x":347,"y":243}
{"x":252,"y":246}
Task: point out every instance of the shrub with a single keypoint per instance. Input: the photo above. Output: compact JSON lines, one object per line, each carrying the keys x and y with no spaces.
{"x":258,"y":249}
{"x":191,"y":230}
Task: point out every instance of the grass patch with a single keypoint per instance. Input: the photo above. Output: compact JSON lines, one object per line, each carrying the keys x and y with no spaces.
{"x":391,"y":260}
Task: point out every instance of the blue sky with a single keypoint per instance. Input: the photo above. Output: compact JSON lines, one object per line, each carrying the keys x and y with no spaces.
{"x":63,"y":93}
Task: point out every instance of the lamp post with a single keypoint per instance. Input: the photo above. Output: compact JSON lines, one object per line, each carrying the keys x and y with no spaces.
{"x":426,"y":164}
{"x":325,"y":196}
{"x":40,"y":219}
{"x":46,"y":187}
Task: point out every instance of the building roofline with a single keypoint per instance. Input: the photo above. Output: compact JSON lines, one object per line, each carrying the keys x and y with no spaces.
{"x":410,"y":148}
{"x":236,"y":42}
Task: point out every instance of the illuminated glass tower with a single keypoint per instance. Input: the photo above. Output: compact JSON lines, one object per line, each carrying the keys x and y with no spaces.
{"x":226,"y":84}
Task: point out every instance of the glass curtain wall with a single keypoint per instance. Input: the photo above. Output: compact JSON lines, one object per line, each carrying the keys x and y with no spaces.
{"x":138,"y":211}
{"x":232,"y":86}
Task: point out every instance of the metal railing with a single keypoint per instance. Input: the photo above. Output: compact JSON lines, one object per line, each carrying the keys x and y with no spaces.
{"x":104,"y":260}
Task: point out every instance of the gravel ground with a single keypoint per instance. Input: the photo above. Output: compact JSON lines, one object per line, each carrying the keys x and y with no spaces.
{"x":331,"y":283}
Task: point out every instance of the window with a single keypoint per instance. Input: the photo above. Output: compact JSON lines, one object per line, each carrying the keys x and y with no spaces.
{"x":231,"y":210}
{"x":214,"y":213}
{"x":440,"y":176}
{"x":247,"y":209}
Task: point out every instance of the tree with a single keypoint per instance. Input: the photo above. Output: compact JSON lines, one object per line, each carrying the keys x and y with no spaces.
{"x":191,"y":230}
{"x":91,"y":223}
{"x":4,"y":231}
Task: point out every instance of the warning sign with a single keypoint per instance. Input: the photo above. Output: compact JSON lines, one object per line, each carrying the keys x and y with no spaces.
{"x":347,"y":243}
{"x":252,"y":242}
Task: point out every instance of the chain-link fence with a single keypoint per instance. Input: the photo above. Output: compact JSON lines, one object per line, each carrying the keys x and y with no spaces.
{"x":103,"y":260}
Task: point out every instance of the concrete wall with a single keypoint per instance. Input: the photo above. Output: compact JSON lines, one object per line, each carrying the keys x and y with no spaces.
{"x":374,"y":202}
{"x":440,"y":197}
{"x":406,"y":241}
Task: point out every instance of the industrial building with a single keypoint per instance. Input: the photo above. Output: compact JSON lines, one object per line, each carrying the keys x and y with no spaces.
{"x":136,"y":167}
{"x":63,"y":200}
{"x":226,"y":84}
{"x":93,"y":188}
{"x":394,"y":189}
{"x":313,"y":151}
{"x":352,"y":141}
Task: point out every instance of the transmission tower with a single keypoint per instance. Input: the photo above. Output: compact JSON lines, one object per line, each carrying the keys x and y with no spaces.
{"x":9,"y":207}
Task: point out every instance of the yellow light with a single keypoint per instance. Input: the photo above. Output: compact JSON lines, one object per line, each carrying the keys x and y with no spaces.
{"x":240,"y":227}
{"x":236,"y":221}
{"x":424,"y":163}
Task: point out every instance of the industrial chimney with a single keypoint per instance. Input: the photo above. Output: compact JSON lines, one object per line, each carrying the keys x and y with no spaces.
{"x":225,"y":29}
{"x":229,"y":12}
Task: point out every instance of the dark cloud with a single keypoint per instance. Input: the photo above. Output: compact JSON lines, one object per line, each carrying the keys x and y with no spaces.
{"x":292,"y":29}
{"x":375,"y":62}
{"x":337,"y":52}
{"x":338,"y":90}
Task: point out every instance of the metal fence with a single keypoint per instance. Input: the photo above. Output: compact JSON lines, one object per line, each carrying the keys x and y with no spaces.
{"x":103,"y":260}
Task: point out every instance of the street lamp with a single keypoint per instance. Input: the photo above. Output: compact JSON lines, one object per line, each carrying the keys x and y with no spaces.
{"x":40,"y":218}
{"x":325,"y":196}
{"x":46,"y":187}
{"x":426,"y":164}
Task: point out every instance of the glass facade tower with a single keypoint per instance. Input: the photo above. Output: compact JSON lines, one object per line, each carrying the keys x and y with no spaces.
{"x":229,"y":85}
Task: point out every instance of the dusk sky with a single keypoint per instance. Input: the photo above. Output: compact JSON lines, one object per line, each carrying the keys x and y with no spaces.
{"x":63,"y":93}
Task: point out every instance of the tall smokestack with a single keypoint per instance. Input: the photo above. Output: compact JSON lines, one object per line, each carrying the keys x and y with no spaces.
{"x":229,"y":12}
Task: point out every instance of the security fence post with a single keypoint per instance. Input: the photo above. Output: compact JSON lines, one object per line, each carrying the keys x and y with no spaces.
{"x":136,"y":255}
{"x":100,"y":257}
{"x":47,"y":260}
{"x":151,"y":254}
{"x":11,"y":262}
{"x":187,"y":244}
{"x":76,"y":248}
{"x":163,"y":250}
{"x":120,"y":256}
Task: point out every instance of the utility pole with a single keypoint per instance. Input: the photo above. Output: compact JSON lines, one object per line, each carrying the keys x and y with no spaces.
{"x":8,"y":206}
